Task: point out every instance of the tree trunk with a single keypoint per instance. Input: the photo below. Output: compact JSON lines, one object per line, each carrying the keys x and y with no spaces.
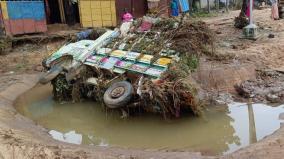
{"x":227,"y":5}
{"x":244,"y":8}
{"x":199,"y":7}
{"x":241,"y":21}
{"x":208,"y":6}
{"x":190,"y":2}
{"x":217,"y":5}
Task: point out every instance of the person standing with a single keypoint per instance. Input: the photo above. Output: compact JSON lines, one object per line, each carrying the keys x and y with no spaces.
{"x":127,"y":17}
{"x":126,"y":25}
{"x":174,"y":8}
{"x":274,"y":10}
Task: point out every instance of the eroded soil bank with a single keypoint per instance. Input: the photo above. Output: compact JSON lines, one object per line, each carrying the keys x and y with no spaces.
{"x":235,"y":63}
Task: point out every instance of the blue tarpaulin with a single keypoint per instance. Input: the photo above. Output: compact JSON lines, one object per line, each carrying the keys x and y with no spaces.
{"x":184,"y":6}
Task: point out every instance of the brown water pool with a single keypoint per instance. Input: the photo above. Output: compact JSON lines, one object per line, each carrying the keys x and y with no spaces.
{"x":223,"y":129}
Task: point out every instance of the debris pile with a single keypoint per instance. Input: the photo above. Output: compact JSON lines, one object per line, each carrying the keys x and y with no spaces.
{"x":153,"y":65}
{"x":169,"y":97}
{"x":193,"y":38}
{"x":268,"y":87}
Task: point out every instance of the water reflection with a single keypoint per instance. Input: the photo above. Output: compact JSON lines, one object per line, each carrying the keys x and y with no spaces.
{"x":252,"y":131}
{"x":224,"y":130}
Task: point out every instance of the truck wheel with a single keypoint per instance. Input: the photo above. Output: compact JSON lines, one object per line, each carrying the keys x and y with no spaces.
{"x":50,"y":74}
{"x":118,"y":94}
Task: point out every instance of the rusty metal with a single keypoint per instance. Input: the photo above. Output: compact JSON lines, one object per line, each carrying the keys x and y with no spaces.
{"x":117,"y":92}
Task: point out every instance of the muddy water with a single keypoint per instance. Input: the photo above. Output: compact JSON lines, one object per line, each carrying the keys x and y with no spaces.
{"x":223,"y":130}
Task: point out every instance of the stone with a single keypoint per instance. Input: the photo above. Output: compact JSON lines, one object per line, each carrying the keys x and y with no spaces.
{"x":271,"y":36}
{"x":272,"y":98}
{"x":251,"y":32}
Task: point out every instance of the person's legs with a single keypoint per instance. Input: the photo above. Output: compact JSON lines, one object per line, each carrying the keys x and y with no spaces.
{"x":274,"y":11}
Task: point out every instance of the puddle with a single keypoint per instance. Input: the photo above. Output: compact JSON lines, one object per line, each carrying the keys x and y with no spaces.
{"x":224,"y":130}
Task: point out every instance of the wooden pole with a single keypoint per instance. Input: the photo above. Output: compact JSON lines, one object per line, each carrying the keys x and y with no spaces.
{"x":61,"y":10}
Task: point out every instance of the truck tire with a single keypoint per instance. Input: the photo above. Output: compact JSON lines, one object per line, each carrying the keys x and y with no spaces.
{"x":50,"y":74}
{"x":118,"y":94}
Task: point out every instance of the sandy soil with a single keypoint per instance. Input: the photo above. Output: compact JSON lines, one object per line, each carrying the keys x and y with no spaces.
{"x":22,"y":138}
{"x":264,"y":52}
{"x":27,"y":57}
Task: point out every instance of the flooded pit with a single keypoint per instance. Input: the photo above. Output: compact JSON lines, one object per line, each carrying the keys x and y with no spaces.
{"x":223,"y":130}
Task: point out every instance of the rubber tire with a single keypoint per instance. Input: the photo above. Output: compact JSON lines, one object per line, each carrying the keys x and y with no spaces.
{"x":50,"y":74}
{"x":123,"y":99}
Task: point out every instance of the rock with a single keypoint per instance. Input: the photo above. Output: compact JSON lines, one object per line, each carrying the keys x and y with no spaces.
{"x":271,"y":36}
{"x":281,"y":116}
{"x":38,"y":68}
{"x":234,"y":47}
{"x":273,"y":98}
{"x":225,"y":44}
{"x":218,"y":32}
{"x":280,"y":69}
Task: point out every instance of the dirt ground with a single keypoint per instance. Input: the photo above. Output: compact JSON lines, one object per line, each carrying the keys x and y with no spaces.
{"x":237,"y":59}
{"x":26,"y":57}
{"x":264,"y":52}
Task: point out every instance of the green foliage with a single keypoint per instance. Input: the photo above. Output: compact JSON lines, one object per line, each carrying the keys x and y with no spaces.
{"x":190,"y":62}
{"x":204,"y":14}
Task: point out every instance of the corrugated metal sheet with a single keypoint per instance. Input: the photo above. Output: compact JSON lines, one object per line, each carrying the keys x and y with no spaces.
{"x":26,"y":10}
{"x":97,"y":13}
{"x":17,"y":26}
{"x":21,"y":17}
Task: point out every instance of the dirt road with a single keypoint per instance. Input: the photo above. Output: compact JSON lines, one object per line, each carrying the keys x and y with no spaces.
{"x":264,"y":52}
{"x":22,"y":138}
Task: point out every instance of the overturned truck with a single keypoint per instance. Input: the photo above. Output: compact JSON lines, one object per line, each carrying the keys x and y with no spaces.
{"x":143,"y":70}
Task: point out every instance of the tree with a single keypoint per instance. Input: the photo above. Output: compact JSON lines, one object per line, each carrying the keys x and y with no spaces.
{"x":244,"y":8}
{"x":208,"y":6}
{"x":241,"y":21}
{"x":227,"y":5}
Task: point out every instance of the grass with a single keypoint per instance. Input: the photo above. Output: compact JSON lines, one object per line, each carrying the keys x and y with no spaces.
{"x":204,"y":14}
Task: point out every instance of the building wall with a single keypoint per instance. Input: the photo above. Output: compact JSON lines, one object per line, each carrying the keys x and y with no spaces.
{"x":22,"y":17}
{"x":97,"y":13}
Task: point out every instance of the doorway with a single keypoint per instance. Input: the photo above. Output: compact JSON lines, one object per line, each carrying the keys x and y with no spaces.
{"x":62,"y":11}
{"x":137,"y":8}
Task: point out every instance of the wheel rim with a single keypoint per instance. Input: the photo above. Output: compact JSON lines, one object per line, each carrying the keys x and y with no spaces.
{"x":117,"y":92}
